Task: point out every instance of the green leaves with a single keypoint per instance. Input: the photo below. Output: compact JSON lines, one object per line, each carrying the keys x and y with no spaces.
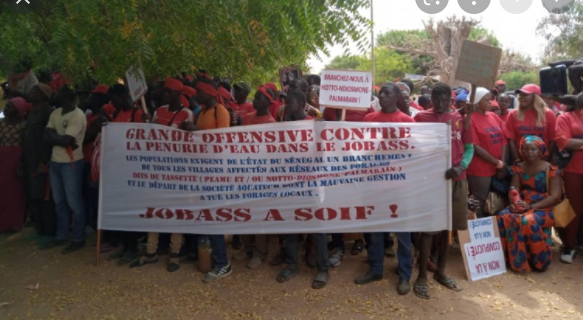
{"x":565,"y":34}
{"x":247,"y":40}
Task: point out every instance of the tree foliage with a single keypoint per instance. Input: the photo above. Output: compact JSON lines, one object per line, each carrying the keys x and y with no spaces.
{"x":389,"y":64}
{"x":565,"y":33}
{"x":517,"y":79}
{"x":248,"y":40}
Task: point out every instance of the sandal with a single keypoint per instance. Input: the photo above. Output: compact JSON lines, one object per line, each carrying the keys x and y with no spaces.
{"x":144,"y":260}
{"x":286,"y":274}
{"x":357,"y":248}
{"x":447,"y":282}
{"x":421,"y":290}
{"x":321,"y":280}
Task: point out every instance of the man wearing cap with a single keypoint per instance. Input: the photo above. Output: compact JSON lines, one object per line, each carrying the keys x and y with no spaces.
{"x":240,"y":105}
{"x":172,"y":113}
{"x":35,"y":160}
{"x":500,"y":86}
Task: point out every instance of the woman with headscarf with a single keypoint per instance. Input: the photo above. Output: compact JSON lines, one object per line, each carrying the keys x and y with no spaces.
{"x":489,"y":148}
{"x":531,"y":118}
{"x":36,"y":158}
{"x":525,"y":226}
{"x":12,"y":130}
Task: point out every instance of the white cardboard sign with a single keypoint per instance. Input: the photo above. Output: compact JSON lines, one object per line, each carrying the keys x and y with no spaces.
{"x":348,"y":89}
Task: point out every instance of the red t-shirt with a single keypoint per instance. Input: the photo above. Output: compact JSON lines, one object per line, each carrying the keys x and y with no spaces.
{"x":379,"y":116}
{"x":108,"y":110}
{"x":126,"y":116}
{"x":274,"y":108}
{"x":251,"y":119}
{"x":516,"y":129}
{"x":569,"y":128}
{"x":487,"y":133}
{"x":459,"y":136}
{"x":416,"y":106}
{"x":331,"y":114}
{"x":242,"y":109}
{"x":164,"y":117}
{"x":89,"y":148}
{"x":504,"y":118}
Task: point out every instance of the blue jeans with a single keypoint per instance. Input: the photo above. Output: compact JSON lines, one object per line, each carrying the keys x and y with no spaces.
{"x":67,"y":187}
{"x":404,"y":254}
{"x":320,"y":244}
{"x":219,"y":250}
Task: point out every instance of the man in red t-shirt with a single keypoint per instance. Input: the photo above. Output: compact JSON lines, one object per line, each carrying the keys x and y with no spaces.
{"x":389,"y":96}
{"x":124,"y":111}
{"x":240,"y":105}
{"x":294,"y":108}
{"x":172,"y":113}
{"x":462,"y":151}
{"x":261,"y":103}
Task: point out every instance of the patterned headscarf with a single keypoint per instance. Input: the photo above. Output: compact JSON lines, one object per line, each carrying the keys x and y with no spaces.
{"x":537,"y":141}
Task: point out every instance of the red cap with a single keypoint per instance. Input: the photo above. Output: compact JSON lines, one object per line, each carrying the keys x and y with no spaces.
{"x":100,"y":89}
{"x":225,"y":94}
{"x":530,"y":89}
{"x":173,"y":84}
{"x":500,"y":82}
{"x":185,"y":103}
{"x":189,"y":92}
{"x":271,"y":86}
{"x":189,"y":78}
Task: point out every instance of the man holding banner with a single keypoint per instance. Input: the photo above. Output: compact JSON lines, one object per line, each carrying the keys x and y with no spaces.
{"x":389,"y":96}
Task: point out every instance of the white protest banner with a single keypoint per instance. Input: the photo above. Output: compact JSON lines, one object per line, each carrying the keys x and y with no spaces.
{"x":478,"y":64}
{"x":292,"y":177}
{"x":482,"y":249}
{"x":348,"y":89}
{"x":136,"y":82}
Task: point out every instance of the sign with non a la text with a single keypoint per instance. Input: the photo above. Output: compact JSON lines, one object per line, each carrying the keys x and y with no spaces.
{"x":348,"y":89}
{"x":482,"y":249}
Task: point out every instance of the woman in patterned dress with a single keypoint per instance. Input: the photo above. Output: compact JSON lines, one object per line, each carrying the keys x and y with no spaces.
{"x":525,"y":230}
{"x":12,"y":128}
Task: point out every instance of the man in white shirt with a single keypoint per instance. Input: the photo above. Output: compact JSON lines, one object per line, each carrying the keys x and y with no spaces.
{"x":66,"y":131}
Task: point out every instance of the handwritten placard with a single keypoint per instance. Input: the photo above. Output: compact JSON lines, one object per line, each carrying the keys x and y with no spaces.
{"x":482,"y":249}
{"x":478,"y":64}
{"x":346,"y":89}
{"x":136,"y":82}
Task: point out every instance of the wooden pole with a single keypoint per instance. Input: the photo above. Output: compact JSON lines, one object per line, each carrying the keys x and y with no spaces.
{"x":449,"y":182}
{"x":144,"y":108}
{"x":98,"y":248}
{"x":372,"y":40}
{"x":343,"y":117}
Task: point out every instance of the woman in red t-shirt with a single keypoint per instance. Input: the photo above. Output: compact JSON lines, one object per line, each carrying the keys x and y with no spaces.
{"x":489,"y":148}
{"x":569,"y":137}
{"x":531,"y":118}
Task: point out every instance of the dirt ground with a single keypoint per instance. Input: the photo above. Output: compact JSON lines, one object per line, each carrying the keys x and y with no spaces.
{"x":71,"y":287}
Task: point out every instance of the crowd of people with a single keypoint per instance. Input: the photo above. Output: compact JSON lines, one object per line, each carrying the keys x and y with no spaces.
{"x":502,"y":142}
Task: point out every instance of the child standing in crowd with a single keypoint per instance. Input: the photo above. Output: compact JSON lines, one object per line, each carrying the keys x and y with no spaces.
{"x":462,"y":152}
